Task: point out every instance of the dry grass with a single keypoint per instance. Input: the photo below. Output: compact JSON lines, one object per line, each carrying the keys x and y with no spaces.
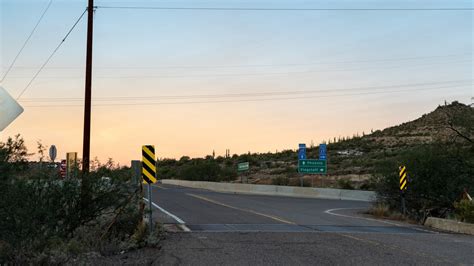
{"x":380,"y":210}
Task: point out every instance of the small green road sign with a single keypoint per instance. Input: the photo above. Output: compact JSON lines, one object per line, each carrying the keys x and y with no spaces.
{"x":312,"y":166}
{"x":243,"y":166}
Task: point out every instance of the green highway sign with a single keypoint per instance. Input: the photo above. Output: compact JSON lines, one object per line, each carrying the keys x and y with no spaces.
{"x":312,"y":166}
{"x":243,"y":166}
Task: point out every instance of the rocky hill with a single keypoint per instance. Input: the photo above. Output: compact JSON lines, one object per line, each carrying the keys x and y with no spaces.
{"x":354,"y":159}
{"x":437,"y":125}
{"x":351,"y":160}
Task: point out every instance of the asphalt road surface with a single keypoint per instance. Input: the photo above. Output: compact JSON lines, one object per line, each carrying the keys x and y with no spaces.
{"x":236,"y":229}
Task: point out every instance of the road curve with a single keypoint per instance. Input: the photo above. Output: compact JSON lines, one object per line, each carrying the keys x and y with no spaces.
{"x":236,"y":229}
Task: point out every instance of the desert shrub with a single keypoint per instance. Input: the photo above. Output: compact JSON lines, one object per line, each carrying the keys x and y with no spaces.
{"x":35,"y":211}
{"x":13,"y":157}
{"x":42,"y":215}
{"x":380,"y":210}
{"x":252,"y":159}
{"x":437,"y":174}
{"x":288,"y":171}
{"x":368,"y":185}
{"x":464,"y":210}
{"x":269,"y":164}
{"x":200,"y":171}
{"x":280,"y":181}
{"x":112,"y":170}
{"x":277,"y":171}
{"x":296,"y":182}
{"x":344,"y":183}
{"x":228,"y":174}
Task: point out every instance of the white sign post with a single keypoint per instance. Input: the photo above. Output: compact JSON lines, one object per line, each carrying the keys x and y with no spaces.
{"x":9,"y":109}
{"x":52,"y":153}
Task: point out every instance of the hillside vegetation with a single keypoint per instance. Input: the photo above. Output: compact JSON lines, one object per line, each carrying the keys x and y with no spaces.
{"x":352,"y":161}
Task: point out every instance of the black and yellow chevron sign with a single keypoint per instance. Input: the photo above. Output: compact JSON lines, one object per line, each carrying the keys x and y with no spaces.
{"x":148,"y":164}
{"x":403,"y":177}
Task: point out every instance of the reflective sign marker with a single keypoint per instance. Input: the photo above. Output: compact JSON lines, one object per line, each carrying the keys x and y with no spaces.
{"x":403,"y":177}
{"x":148,"y":164}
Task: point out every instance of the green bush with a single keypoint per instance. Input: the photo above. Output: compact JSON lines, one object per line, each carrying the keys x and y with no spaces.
{"x":368,"y":185}
{"x":42,"y":215}
{"x":35,"y":212}
{"x":13,"y":157}
{"x":228,"y":174}
{"x":345,"y":183}
{"x":436,"y":173}
{"x":464,"y":210}
{"x":200,"y":171}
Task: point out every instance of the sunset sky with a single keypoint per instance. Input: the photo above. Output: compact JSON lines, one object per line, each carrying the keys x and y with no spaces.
{"x":193,"y":81}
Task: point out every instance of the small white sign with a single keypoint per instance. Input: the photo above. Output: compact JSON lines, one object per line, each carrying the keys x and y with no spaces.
{"x":9,"y":109}
{"x":53,"y":152}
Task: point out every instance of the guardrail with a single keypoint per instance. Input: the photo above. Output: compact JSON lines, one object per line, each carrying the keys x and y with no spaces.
{"x":287,"y":191}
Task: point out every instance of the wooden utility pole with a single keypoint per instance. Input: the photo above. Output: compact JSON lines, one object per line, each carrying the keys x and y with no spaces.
{"x":88,"y":91}
{"x":86,"y":144}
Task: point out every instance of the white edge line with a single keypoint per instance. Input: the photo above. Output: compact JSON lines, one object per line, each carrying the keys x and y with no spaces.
{"x":330,"y":211}
{"x":181,"y":223}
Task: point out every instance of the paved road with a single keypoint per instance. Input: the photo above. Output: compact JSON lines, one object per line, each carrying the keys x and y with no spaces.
{"x":248,"y":229}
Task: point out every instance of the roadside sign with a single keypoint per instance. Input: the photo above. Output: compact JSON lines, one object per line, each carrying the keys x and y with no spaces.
{"x":149,"y":175}
{"x":9,"y":109}
{"x":148,"y":164}
{"x":322,"y":151}
{"x":52,"y":153}
{"x":403,"y":177}
{"x":243,"y":166}
{"x":62,"y":169}
{"x":71,"y":164}
{"x":302,"y":151}
{"x":312,"y":166}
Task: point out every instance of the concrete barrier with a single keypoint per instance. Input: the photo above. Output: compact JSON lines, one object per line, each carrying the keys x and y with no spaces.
{"x":302,"y":192}
{"x":450,"y":225}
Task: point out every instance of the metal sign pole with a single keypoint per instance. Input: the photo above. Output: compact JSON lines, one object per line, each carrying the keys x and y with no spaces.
{"x":150,"y":218}
{"x":149,"y":174}
{"x":403,"y":202}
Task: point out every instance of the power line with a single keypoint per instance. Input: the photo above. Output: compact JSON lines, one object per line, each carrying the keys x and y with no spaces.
{"x":264,"y":65}
{"x":285,"y":9}
{"x":251,"y":100}
{"x":26,"y":41}
{"x":258,"y":74}
{"x":240,"y":95}
{"x":52,"y":54}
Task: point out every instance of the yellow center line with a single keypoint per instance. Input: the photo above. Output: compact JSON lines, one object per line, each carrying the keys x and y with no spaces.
{"x":241,"y":209}
{"x":158,"y":186}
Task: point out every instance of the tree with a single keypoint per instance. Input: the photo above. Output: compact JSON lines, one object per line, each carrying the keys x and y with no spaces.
{"x":13,"y":156}
{"x":437,"y":174}
{"x":41,"y":150}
